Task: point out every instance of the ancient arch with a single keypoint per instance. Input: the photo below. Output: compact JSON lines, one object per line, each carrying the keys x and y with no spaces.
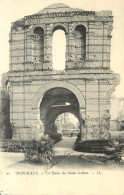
{"x":54,"y":113}
{"x":88,"y":79}
{"x":81,"y":24}
{"x":80,"y":42}
{"x":35,"y":26}
{"x":38,"y":51}
{"x":59,"y":50}
{"x":53,"y":104}
{"x":109,"y":93}
{"x":40,"y":92}
{"x":58,"y":26}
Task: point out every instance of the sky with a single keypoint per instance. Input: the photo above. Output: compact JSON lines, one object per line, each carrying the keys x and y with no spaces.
{"x":12,"y":10}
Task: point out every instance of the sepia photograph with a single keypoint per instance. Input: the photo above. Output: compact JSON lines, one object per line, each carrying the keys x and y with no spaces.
{"x":61,"y":97}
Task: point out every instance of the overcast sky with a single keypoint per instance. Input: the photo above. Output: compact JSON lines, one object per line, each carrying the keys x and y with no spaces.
{"x":11,"y":10}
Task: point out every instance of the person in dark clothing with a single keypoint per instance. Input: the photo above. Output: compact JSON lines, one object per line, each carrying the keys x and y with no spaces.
{"x":71,"y":134}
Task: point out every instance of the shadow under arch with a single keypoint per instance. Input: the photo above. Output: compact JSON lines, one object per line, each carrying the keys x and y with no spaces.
{"x":53,"y":113}
{"x":36,"y":101}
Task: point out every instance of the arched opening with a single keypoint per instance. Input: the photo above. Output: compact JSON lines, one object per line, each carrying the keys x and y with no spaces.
{"x":7,"y":85}
{"x":58,"y":49}
{"x":67,"y":124}
{"x":55,"y":102}
{"x":39,"y":95}
{"x":80,"y":42}
{"x":38,"y":45}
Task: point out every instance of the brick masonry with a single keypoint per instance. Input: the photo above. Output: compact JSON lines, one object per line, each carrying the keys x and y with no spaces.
{"x":87,"y":76}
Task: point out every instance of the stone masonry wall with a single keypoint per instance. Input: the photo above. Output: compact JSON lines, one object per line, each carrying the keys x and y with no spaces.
{"x":98,"y":40}
{"x":87,"y":68}
{"x":96,"y":110}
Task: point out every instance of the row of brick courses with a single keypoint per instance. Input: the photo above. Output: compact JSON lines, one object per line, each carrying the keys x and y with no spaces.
{"x":46,"y":66}
{"x":30,"y":51}
{"x":92,"y":83}
{"x":23,"y":115}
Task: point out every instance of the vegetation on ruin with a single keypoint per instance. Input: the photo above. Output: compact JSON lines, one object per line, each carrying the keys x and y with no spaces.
{"x":113,"y":150}
{"x":40,"y":151}
{"x":5,"y":125}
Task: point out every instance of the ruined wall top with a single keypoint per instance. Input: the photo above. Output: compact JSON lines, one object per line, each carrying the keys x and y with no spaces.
{"x":88,"y":38}
{"x":64,"y":10}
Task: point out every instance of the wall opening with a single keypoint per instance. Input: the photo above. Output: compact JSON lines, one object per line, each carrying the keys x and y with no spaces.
{"x":7,"y":85}
{"x":80,"y":42}
{"x":38,"y":45}
{"x":67,"y":124}
{"x":59,"y":49}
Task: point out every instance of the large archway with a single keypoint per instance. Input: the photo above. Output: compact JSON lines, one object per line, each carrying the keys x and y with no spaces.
{"x":55,"y":102}
{"x":68,"y":125}
{"x":38,"y":96}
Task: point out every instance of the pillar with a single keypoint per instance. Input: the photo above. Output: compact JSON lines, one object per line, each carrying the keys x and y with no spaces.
{"x":48,"y":52}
